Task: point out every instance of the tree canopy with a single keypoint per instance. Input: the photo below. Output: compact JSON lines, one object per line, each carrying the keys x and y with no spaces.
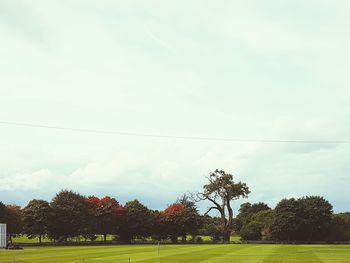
{"x":220,"y":191}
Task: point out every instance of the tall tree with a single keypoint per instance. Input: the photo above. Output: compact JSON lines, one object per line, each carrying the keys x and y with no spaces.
{"x":211,"y":226}
{"x":179,"y":220}
{"x":138,"y":221}
{"x":340,"y":227}
{"x":13,"y":219}
{"x":317,"y":217}
{"x":220,"y":191}
{"x":246,"y":212}
{"x":36,"y":218}
{"x":107,"y":212}
{"x":305,"y":219}
{"x":70,"y":215}
{"x":2,"y":212}
{"x":193,"y":220}
{"x":287,"y":220}
{"x":259,"y":226}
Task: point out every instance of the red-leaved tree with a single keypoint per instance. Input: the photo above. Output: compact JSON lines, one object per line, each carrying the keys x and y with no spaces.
{"x":179,"y":220}
{"x":106,"y":214}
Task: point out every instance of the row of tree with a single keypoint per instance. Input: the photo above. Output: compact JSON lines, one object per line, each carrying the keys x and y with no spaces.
{"x":70,"y":215}
{"x":305,"y":219}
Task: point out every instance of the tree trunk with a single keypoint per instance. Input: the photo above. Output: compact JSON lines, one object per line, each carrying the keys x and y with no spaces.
{"x":226,"y":236}
{"x":174,"y":238}
{"x":39,"y":238}
{"x":104,"y":238}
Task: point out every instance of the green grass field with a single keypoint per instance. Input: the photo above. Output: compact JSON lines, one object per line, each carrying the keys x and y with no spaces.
{"x":181,"y":253}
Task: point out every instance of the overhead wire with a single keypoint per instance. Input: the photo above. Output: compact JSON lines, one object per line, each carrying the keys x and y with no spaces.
{"x":166,"y":136}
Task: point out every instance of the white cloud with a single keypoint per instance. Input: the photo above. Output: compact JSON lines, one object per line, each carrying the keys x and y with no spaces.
{"x":235,"y":70}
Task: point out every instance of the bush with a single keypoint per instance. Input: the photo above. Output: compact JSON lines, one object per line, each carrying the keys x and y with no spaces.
{"x":198,"y":240}
{"x":252,"y":231}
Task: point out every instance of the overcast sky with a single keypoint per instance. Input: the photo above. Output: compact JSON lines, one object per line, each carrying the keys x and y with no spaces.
{"x":250,"y":70}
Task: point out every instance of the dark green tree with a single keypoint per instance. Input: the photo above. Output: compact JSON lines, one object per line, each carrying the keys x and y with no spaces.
{"x":305,"y":219}
{"x":259,"y":226}
{"x":252,"y":231}
{"x":211,"y":226}
{"x":246,"y":212}
{"x":317,"y":217}
{"x":2,"y":212}
{"x":70,"y":214}
{"x":37,"y":216}
{"x":287,"y":220}
{"x":12,"y":217}
{"x":193,"y":221}
{"x":138,"y":221}
{"x":340,"y":227}
{"x":220,"y":191}
{"x":266,"y":218}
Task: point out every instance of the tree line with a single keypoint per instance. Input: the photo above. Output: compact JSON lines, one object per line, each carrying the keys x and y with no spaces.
{"x":70,"y":215}
{"x":306,"y":219}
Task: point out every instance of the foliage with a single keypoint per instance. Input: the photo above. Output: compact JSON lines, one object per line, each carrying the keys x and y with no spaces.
{"x":36,"y":217}
{"x":266,"y":218}
{"x":246,"y":212}
{"x":220,"y":191}
{"x":252,"y":231}
{"x":11,"y":215}
{"x":139,"y":221}
{"x":70,"y":215}
{"x":303,"y":219}
{"x":106,"y":214}
{"x":259,"y":226}
{"x":211,"y":226}
{"x":340,"y":227}
{"x":179,"y":219}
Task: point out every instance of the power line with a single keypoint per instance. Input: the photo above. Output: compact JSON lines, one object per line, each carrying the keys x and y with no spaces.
{"x":20,"y":124}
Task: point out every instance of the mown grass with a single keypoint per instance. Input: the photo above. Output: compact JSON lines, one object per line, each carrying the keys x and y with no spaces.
{"x":240,"y":253}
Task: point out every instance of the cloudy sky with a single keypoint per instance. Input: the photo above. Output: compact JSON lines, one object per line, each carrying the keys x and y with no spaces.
{"x":249,"y":70}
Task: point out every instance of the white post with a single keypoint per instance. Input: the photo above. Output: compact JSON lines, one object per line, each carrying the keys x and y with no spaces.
{"x":3,"y":237}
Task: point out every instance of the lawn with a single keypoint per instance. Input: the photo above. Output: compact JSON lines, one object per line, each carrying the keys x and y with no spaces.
{"x":182,"y":253}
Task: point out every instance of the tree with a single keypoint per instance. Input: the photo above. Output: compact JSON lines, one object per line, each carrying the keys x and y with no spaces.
{"x":36,"y":218}
{"x":317,"y":217}
{"x":246,"y":212}
{"x":266,"y":218}
{"x":305,"y":219}
{"x":252,"y":231}
{"x":193,"y":219}
{"x":211,"y":226}
{"x":287,"y":221}
{"x":106,"y":213}
{"x":340,"y":227}
{"x":259,"y":227}
{"x":70,"y":215}
{"x":12,"y":218}
{"x":179,"y":220}
{"x":138,"y":221}
{"x":220,"y":191}
{"x":2,"y":212}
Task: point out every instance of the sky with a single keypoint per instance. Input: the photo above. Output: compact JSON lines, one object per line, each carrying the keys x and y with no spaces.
{"x":247,"y":70}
